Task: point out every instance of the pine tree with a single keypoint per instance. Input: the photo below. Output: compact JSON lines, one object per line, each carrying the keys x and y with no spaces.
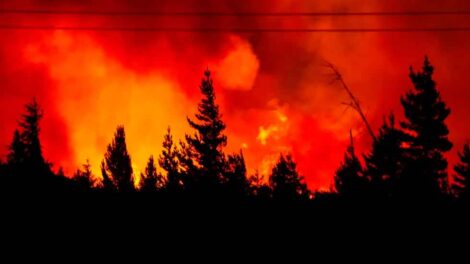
{"x":462,"y":179}
{"x":426,"y":113}
{"x":168,"y":161}
{"x":286,"y":183}
{"x":117,"y":163}
{"x":30,"y":137}
{"x":236,"y":181}
{"x":84,"y":177}
{"x":25,"y":156}
{"x":17,"y":155}
{"x":25,"y":159}
{"x":208,"y":141}
{"x":384,"y":165}
{"x":150,"y":180}
{"x":349,"y":179}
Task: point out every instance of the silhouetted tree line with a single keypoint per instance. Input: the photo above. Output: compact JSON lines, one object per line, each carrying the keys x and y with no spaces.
{"x":406,"y":162}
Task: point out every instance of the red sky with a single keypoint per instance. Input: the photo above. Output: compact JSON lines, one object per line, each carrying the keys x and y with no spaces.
{"x":275,"y":93}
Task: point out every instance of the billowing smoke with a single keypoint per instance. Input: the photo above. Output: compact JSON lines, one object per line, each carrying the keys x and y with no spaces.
{"x":275,"y":92}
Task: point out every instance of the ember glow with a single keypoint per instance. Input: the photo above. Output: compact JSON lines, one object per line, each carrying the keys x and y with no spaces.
{"x":274,"y":91}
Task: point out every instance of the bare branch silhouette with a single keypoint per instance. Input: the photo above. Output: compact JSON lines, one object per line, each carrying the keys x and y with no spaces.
{"x":355,"y":104}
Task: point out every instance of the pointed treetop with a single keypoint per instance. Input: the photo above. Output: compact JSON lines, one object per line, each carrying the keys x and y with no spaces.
{"x":208,"y":141}
{"x":427,"y":67}
{"x":117,"y":162}
{"x":427,"y":70}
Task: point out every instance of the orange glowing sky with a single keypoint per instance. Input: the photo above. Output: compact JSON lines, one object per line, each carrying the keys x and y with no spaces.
{"x":275,"y":94}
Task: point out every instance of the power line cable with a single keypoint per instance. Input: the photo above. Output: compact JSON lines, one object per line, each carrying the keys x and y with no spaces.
{"x":239,"y":30}
{"x":221,"y":14}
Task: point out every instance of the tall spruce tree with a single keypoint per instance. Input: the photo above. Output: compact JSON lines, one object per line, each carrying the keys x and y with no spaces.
{"x":462,"y":179}
{"x":30,"y":133}
{"x":286,"y":183}
{"x":168,"y":161}
{"x":385,"y":163}
{"x":349,"y":178}
{"x":425,"y":113}
{"x":25,"y":156}
{"x":208,"y":141}
{"x":117,"y":163}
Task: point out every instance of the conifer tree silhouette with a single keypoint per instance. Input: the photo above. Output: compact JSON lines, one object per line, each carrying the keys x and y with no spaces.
{"x":17,"y":151}
{"x":84,"y":177}
{"x":349,"y":179}
{"x":208,"y":141}
{"x":30,"y":133}
{"x":150,"y":180}
{"x":384,"y":165}
{"x":426,"y":113}
{"x":235,"y":177}
{"x":27,"y":169}
{"x":286,"y":183}
{"x":168,"y":161}
{"x":25,"y":150}
{"x":117,"y":163}
{"x":462,"y":179}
